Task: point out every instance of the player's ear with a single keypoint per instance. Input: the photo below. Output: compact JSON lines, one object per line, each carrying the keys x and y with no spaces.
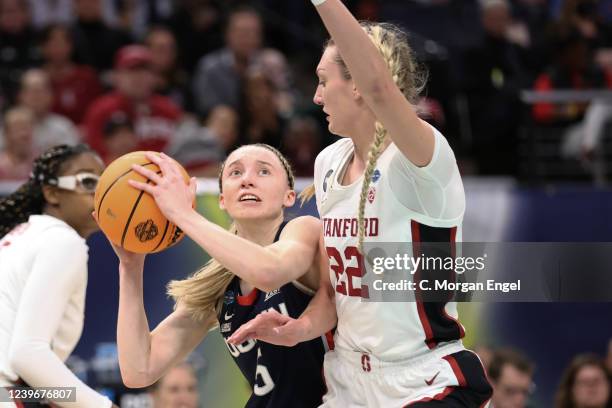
{"x":356,"y":94}
{"x":221,"y":202}
{"x":51,"y":194}
{"x":289,"y":199}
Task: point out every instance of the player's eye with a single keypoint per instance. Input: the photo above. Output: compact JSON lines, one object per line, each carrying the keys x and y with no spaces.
{"x":264,"y":172}
{"x":235,"y":172}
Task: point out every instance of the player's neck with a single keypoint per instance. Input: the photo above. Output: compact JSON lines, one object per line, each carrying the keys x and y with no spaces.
{"x":261,"y":233}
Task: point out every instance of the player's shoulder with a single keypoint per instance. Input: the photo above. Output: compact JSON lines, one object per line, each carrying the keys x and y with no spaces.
{"x":330,"y":151}
{"x":55,"y":232}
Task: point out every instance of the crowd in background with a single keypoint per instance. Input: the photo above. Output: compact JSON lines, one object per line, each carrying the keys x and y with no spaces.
{"x":585,"y":383}
{"x":195,"y":78}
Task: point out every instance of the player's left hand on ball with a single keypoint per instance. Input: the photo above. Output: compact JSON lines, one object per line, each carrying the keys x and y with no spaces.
{"x":172,"y":195}
{"x":271,"y":327}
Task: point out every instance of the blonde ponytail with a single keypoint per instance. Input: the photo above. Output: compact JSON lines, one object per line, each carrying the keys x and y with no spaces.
{"x":202,"y":293}
{"x":306,"y":194}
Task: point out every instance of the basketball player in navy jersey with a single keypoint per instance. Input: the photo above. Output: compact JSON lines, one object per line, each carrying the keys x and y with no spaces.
{"x":392,"y":178}
{"x":261,"y":264}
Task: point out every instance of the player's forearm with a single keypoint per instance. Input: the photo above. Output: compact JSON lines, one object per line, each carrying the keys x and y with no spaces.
{"x":254,"y":263}
{"x":320,"y":315}
{"x":133,"y":337}
{"x":367,"y":67}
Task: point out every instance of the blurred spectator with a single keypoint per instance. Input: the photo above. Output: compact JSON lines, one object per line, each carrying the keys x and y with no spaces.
{"x":45,"y":13}
{"x":119,"y":136}
{"x":585,"y":384}
{"x":197,"y":26}
{"x":17,"y":47}
{"x":262,"y":121}
{"x":178,"y":388}
{"x":136,"y":16}
{"x":171,"y":80}
{"x":493,"y":76}
{"x":218,"y":77}
{"x":154,"y":117}
{"x":18,"y":153}
{"x":485,"y":353}
{"x":74,"y":86}
{"x":197,"y":149}
{"x":274,"y":64}
{"x":510,"y":373}
{"x":573,"y":68}
{"x":302,"y":143}
{"x":95,"y":43}
{"x":50,"y":129}
{"x":223,"y":123}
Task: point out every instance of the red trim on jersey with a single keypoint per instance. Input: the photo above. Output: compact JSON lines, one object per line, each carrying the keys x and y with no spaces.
{"x":436,"y":397}
{"x":416,"y":248}
{"x":456,"y":370}
{"x":329,"y":336}
{"x":453,"y":238}
{"x":247,"y":300}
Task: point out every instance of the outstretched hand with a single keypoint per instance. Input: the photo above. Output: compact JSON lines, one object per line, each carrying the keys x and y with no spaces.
{"x":172,"y":195}
{"x":271,"y":327}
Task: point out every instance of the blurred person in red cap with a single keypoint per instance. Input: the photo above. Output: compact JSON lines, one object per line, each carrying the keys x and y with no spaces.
{"x":154,"y":117}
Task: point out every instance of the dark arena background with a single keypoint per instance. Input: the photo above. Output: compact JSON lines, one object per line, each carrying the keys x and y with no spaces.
{"x":520,"y":88}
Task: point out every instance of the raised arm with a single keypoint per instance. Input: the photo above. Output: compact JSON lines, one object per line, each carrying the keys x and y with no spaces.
{"x":284,"y":261}
{"x":145,"y":356}
{"x":374,"y":82}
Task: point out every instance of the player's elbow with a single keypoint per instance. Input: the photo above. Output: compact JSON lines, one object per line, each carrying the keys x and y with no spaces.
{"x":22,"y":357}
{"x":267,"y":280}
{"x":136,"y":379}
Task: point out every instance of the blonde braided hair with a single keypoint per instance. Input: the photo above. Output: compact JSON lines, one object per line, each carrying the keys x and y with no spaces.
{"x":409,"y":77}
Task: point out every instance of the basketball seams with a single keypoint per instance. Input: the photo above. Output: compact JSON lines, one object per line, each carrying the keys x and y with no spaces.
{"x":129,"y":220}
{"x":115,"y":182}
{"x":162,"y":237}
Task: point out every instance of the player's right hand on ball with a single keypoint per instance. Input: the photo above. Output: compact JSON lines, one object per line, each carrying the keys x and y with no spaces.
{"x":271,"y":327}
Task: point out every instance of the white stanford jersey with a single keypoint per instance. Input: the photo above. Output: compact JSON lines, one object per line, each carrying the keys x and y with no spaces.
{"x":406,"y":203}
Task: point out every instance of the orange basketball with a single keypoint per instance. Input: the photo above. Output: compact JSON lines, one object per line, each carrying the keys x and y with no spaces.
{"x":129,"y":217}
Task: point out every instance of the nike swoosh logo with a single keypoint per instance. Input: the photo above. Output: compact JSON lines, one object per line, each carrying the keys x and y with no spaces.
{"x":227,"y":317}
{"x":432,"y":379}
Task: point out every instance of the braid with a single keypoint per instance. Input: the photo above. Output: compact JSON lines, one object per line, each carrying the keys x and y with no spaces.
{"x":29,"y":199}
{"x":373,"y":155}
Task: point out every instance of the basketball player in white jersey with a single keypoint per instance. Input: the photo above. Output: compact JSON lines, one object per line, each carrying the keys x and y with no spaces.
{"x":393,"y":178}
{"x":43,"y":276}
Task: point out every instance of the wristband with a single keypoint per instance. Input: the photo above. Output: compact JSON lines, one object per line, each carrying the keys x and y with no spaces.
{"x":318,"y":2}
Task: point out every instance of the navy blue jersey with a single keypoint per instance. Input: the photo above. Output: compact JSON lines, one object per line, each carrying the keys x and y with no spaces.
{"x":280,"y":376}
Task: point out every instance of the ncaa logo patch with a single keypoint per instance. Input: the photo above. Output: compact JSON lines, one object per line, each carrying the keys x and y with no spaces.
{"x":371,"y":194}
{"x":375,"y":176}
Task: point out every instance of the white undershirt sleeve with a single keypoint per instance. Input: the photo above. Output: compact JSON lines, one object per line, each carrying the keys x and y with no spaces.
{"x":56,"y":272}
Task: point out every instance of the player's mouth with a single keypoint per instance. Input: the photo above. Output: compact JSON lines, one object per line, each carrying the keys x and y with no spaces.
{"x":249,"y":197}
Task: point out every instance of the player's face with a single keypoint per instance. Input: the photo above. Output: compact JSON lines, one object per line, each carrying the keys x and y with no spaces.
{"x":591,"y":387}
{"x":178,"y":389}
{"x":254,"y":185}
{"x":336,"y":95}
{"x":76,"y":205}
